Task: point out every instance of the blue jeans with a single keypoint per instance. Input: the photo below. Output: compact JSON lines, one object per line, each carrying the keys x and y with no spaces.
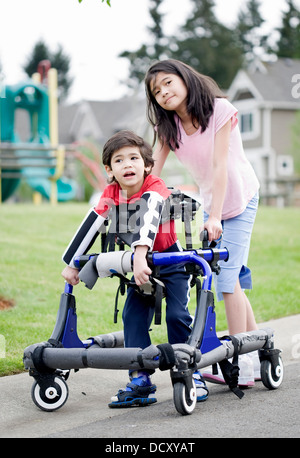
{"x":236,"y":238}
{"x":138,"y":312}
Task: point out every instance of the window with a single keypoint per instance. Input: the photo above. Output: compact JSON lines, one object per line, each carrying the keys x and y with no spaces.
{"x":246,"y":123}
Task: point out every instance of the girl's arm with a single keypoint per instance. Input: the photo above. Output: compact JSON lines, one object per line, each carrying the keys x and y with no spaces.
{"x":220,"y":165}
{"x":160,"y":155}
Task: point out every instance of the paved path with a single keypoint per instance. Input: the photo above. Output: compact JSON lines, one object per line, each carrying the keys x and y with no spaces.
{"x":261,"y":413}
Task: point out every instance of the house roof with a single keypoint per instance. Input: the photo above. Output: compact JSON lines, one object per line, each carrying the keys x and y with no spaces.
{"x":276,"y":82}
{"x":66,"y":115}
{"x":270,"y":81}
{"x":110,"y":116}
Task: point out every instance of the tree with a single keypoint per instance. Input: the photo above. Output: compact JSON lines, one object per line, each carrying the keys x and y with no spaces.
{"x":141,"y":59}
{"x":62,"y":62}
{"x":288,"y":44}
{"x":58,"y":60}
{"x":207,"y":45}
{"x":107,"y":1}
{"x":248,"y":31}
{"x":202,"y":42}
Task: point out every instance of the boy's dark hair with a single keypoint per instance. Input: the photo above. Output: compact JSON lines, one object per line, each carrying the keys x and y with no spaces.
{"x":202,"y":91}
{"x":123,"y":139}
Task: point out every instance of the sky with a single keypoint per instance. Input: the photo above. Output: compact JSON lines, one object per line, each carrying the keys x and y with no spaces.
{"x":93,"y":34}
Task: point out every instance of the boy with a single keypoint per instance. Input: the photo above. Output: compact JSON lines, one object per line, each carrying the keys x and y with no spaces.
{"x":128,"y":162}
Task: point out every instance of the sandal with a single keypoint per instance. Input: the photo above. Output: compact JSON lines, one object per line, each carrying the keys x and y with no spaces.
{"x":134,"y":395}
{"x":201,"y":388}
{"x":139,"y":392}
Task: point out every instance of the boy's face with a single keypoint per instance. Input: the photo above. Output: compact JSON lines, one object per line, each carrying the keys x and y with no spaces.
{"x":128,"y":168}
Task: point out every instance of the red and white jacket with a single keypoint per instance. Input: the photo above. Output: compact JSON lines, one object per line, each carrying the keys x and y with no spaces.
{"x":140,"y":215}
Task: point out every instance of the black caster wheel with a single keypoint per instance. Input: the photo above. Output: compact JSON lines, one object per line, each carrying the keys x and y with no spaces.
{"x":271,"y":378}
{"x":184,"y":402}
{"x":50,"y":394}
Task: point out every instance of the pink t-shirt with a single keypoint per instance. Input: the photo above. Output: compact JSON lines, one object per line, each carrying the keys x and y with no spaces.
{"x":195,"y":152}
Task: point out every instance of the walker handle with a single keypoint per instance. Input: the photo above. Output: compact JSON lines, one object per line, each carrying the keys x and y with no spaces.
{"x":204,"y":239}
{"x":204,"y":235}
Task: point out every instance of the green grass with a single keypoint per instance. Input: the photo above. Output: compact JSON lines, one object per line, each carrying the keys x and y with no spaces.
{"x":33,"y":238}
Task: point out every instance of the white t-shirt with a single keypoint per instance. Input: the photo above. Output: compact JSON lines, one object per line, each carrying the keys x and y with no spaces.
{"x":196,"y":151}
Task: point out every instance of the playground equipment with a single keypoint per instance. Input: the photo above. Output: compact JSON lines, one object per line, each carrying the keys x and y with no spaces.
{"x":39,"y":160}
{"x":50,"y":363}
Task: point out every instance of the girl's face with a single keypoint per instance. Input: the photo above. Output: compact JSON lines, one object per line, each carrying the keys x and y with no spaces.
{"x":128,"y":168}
{"x":169,"y":91}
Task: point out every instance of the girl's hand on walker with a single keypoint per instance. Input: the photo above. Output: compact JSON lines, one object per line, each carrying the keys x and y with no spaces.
{"x":71,"y":276}
{"x":214,"y":228}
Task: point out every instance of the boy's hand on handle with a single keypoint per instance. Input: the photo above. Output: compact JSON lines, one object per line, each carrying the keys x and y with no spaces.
{"x":71,"y":276}
{"x":141,"y":270}
{"x":214,"y":228}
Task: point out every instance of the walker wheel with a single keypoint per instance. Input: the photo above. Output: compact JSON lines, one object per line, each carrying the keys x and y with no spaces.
{"x":50,"y":394}
{"x":271,"y":378}
{"x":184,"y":402}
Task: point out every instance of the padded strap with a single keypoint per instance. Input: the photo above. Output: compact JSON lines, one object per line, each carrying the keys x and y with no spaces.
{"x":37,"y":359}
{"x":89,"y":274}
{"x":231,"y":371}
{"x":167,"y":357}
{"x":121,"y":289}
{"x":159,"y":294}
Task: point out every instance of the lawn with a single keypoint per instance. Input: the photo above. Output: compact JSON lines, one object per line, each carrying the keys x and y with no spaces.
{"x":33,"y":238}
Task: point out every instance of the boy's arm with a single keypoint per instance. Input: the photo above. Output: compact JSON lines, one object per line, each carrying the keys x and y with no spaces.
{"x":141,"y":270}
{"x":147,"y":224}
{"x":149,"y":215}
{"x":84,"y":238}
{"x":71,"y":276}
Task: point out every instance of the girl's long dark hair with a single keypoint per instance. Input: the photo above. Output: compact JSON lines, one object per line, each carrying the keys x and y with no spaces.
{"x":202,"y":91}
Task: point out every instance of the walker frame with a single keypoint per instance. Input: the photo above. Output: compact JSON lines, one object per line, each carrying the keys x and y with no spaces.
{"x":50,"y":363}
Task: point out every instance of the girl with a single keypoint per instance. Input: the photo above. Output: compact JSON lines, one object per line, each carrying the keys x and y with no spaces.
{"x":192,"y":117}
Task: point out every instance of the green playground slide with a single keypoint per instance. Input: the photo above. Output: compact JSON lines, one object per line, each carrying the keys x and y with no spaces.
{"x":33,"y":99}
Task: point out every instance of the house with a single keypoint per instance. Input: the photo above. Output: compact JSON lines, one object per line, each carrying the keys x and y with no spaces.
{"x":99,"y":120}
{"x":267,"y":96}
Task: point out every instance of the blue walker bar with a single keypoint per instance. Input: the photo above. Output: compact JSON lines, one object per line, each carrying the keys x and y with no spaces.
{"x":201,"y":257}
{"x":193,"y":256}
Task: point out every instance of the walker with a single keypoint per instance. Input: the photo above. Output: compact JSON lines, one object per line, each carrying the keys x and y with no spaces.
{"x":50,"y":363}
